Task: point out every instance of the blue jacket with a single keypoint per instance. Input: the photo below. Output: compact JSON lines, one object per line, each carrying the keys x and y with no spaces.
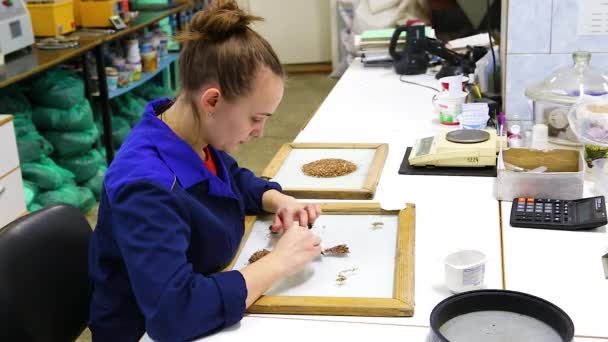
{"x":165,"y":228}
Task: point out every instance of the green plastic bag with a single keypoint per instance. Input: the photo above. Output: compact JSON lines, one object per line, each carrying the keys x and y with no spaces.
{"x":46,"y":174}
{"x":95,"y":183}
{"x":79,"y":197}
{"x":14,"y":101}
{"x":129,"y":106}
{"x":76,"y":118}
{"x":23,"y":125}
{"x":34,"y":207}
{"x":74,"y":143}
{"x":57,"y":88}
{"x":32,"y":146}
{"x":151,"y":91}
{"x":30,"y":190}
{"x":120,"y":130}
{"x":83,"y":166}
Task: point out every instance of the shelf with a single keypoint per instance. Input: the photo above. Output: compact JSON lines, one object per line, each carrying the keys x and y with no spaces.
{"x":145,"y":76}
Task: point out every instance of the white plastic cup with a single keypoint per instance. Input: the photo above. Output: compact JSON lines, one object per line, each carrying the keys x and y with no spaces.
{"x":449,"y":107}
{"x":465,"y":271}
{"x":540,"y":137}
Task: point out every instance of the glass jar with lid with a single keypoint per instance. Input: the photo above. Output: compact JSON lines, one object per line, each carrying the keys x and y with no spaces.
{"x":553,"y":96}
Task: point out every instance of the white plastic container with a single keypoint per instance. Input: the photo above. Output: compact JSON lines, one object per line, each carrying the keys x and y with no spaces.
{"x":465,"y":270}
{"x":556,"y":185}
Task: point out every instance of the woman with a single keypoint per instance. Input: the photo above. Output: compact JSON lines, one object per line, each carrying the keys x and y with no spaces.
{"x":173,"y":206}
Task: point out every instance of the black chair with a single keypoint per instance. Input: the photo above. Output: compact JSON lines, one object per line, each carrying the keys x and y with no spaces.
{"x":44,"y":284}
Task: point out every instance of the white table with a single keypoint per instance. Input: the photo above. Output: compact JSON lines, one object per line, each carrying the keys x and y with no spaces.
{"x":562,"y":267}
{"x":373,"y":105}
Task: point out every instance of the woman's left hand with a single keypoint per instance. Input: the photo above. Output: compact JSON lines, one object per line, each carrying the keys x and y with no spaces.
{"x":290,"y":211}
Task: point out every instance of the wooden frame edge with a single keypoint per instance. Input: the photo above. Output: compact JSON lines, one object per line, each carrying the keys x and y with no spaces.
{"x":375,"y":169}
{"x":277,"y":161}
{"x":8,"y":118}
{"x":405,"y":258}
{"x":343,"y":306}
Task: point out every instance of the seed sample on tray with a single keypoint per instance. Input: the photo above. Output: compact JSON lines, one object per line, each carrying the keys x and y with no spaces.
{"x":383,"y":283}
{"x":330,"y":167}
{"x":332,"y":171}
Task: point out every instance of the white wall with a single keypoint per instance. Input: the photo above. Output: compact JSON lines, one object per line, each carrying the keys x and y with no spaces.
{"x":540,"y":38}
{"x":298,"y":30}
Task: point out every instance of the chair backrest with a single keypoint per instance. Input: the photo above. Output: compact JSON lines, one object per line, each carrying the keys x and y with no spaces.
{"x":44,"y":284}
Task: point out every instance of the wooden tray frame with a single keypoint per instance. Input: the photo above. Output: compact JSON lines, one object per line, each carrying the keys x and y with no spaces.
{"x":365,"y":193}
{"x":402,"y":302}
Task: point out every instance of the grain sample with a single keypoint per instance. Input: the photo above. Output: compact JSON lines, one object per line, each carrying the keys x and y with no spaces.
{"x":337,"y":250}
{"x":328,"y":168}
{"x":258,"y":255}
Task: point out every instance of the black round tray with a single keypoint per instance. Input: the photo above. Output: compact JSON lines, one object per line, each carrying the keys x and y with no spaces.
{"x":500,"y":300}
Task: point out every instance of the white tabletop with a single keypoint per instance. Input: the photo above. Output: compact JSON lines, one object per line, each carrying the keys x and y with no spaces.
{"x":373,"y":105}
{"x":564,"y":268}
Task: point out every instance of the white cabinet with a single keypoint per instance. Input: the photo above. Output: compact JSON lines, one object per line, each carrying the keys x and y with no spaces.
{"x":298,"y":30}
{"x":12,"y":198}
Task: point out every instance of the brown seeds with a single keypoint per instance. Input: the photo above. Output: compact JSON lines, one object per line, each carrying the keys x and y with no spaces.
{"x":327,"y":168}
{"x":336,"y":250}
{"x":258,"y":255}
{"x":343,"y":275}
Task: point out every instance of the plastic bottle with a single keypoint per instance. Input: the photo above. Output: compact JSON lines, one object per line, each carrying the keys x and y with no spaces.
{"x":515,"y":139}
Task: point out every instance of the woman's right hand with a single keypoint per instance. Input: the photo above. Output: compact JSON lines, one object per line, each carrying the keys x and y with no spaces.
{"x":296,"y":248}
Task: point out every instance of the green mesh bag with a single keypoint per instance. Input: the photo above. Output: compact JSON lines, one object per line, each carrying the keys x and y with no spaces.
{"x":83,"y":166}
{"x":23,"y":124}
{"x":57,"y":88}
{"x":14,"y":101}
{"x":30,"y":191}
{"x":32,"y":146}
{"x":95,"y":183}
{"x":74,"y":143}
{"x":78,"y":117}
{"x":150,"y":91}
{"x":46,"y":174}
{"x":76,"y":196}
{"x":34,"y":207}
{"x":129,"y":107}
{"x":120,"y":130}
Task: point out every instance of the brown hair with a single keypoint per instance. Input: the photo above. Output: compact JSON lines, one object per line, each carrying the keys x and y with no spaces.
{"x":219,"y":46}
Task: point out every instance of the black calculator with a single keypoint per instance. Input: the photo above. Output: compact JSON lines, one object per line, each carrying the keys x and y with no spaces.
{"x":580,"y":214}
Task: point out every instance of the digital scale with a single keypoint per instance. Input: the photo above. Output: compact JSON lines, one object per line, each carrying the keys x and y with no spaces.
{"x":15,"y":26}
{"x":459,"y":148}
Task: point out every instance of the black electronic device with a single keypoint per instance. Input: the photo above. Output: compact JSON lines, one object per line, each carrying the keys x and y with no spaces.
{"x":413,"y":60}
{"x":580,"y":214}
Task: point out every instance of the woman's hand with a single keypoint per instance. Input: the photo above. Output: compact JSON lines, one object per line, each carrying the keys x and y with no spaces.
{"x":288,"y":210}
{"x":296,"y":248}
{"x":292,"y":212}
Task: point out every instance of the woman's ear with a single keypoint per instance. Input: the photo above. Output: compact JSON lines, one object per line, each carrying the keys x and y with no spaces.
{"x":209,"y":100}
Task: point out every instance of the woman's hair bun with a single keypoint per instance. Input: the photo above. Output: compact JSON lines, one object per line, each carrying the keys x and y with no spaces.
{"x":217,"y":22}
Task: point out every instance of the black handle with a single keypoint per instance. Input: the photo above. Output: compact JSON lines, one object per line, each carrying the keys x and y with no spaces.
{"x":392,"y":47}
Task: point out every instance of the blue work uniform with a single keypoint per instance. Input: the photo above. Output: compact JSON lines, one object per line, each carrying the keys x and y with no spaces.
{"x":166,"y":227}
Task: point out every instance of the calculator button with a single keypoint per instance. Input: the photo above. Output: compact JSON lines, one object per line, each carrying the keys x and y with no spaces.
{"x":556,"y":219}
{"x":530,"y":200}
{"x":521,"y":200}
{"x":547,"y":219}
